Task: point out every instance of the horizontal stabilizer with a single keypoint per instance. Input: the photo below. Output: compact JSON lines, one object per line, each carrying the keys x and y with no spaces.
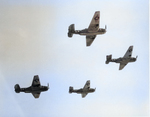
{"x":70,"y":89}
{"x":71,"y":30}
{"x":108,"y":58}
{"x":17,"y":88}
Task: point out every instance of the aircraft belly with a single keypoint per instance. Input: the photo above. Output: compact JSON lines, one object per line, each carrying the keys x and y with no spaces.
{"x":88,"y":33}
{"x":86,"y":91}
{"x":91,"y":33}
{"x":32,"y":91}
{"x":78,"y":91}
{"x":36,"y":90}
{"x":27,"y":91}
{"x":124,"y":61}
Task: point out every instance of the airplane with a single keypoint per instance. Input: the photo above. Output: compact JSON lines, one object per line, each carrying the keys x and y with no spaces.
{"x":91,"y":31}
{"x":35,"y":88}
{"x":83,"y":91}
{"x":122,"y":60}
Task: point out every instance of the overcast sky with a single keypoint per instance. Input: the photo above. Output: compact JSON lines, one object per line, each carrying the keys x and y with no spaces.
{"x":34,"y":41}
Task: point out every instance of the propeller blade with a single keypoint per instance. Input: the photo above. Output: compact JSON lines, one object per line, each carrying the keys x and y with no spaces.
{"x":48,"y":85}
{"x":105,"y":27}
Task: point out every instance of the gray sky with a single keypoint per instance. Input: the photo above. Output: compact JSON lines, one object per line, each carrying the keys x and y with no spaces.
{"x":34,"y":41}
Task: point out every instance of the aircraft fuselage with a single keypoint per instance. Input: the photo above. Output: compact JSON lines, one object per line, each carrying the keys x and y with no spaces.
{"x":86,"y":32}
{"x":32,"y":89}
{"x":79,"y":91}
{"x":123,"y":60}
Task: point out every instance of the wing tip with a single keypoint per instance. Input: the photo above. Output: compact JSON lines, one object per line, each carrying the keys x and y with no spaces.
{"x":97,"y":11}
{"x":131,"y":46}
{"x":88,"y":44}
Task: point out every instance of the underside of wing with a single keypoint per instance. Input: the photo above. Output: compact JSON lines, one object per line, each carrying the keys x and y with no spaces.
{"x":122,"y":65}
{"x":36,"y":95}
{"x":36,"y":81}
{"x":84,"y":94}
{"x":94,"y":25}
{"x":128,"y":54}
{"x":87,"y":85}
{"x":90,"y":39}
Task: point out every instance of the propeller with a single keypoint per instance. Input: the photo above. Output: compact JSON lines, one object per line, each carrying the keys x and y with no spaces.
{"x":105,"y":27}
{"x":48,"y":85}
{"x":136,"y":57}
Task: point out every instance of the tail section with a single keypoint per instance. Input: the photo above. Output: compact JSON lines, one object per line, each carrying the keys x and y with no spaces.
{"x":70,"y":89}
{"x":108,"y":58}
{"x":17,"y":88}
{"x":71,"y":30}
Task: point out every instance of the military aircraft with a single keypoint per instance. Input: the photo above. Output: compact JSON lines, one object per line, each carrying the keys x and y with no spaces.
{"x":91,"y":31}
{"x":83,"y":91}
{"x":122,"y":60}
{"x":35,"y":88}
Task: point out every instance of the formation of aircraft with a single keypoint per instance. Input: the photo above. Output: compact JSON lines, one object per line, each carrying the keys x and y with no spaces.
{"x":122,"y":60}
{"x":83,"y":91}
{"x":35,"y":88}
{"x":91,"y":31}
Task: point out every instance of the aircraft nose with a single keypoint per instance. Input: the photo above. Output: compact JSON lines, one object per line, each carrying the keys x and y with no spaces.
{"x":104,"y":31}
{"x":46,"y":88}
{"x":93,"y":90}
{"x":134,"y":59}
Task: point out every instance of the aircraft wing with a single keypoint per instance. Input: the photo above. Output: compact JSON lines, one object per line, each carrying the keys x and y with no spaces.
{"x":87,"y":85}
{"x":128,"y":54}
{"x":94,"y":25}
{"x":36,"y":81}
{"x":122,"y":65}
{"x":36,"y":95}
{"x":84,"y":94}
{"x":90,"y":39}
